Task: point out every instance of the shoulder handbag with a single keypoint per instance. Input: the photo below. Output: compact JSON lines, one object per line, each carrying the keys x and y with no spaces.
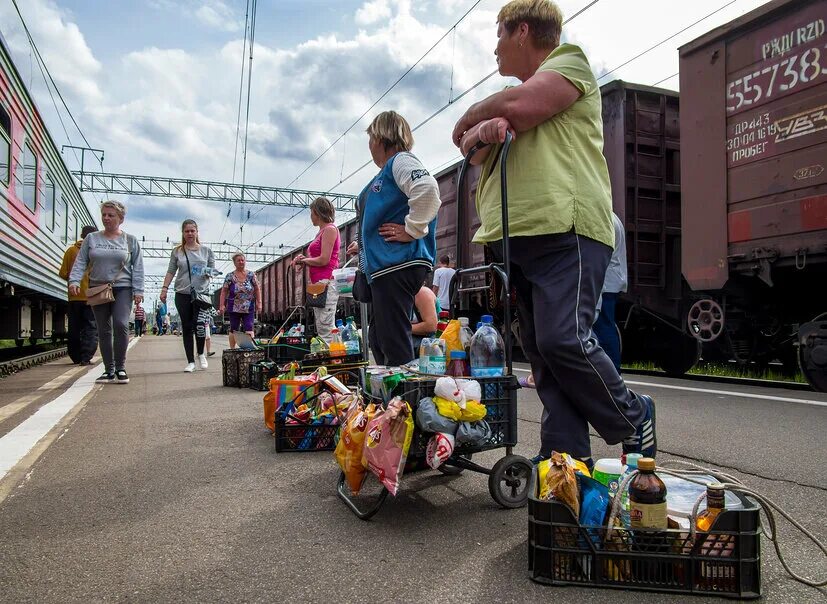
{"x":103,"y":294}
{"x":361,"y":288}
{"x":200,"y":300}
{"x":316,"y":295}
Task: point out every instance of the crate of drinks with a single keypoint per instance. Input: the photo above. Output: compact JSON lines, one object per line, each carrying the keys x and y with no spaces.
{"x":721,"y":557}
{"x":286,"y":349}
{"x":261,"y":372}
{"x":346,"y":368}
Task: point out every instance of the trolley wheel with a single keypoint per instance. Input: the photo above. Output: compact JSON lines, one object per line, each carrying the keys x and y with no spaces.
{"x":509,"y":480}
{"x":454,"y":470}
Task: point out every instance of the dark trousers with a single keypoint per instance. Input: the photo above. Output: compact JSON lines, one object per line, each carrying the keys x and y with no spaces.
{"x":112,"y":319}
{"x":558,"y":279}
{"x":183,"y":302}
{"x":390,"y":324}
{"x":82,"y":339}
{"x":605,"y":329}
{"x":139,"y":327}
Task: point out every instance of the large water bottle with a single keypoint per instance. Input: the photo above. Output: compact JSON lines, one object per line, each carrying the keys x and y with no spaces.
{"x":350,"y":336}
{"x":487,"y":350}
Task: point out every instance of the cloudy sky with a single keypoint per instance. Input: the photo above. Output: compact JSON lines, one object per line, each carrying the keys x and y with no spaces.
{"x":156,"y":84}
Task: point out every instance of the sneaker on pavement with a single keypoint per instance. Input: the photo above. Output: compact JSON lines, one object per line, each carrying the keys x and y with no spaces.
{"x":644,"y":440}
{"x":190,"y":367}
{"x":211,"y":353}
{"x":106,"y":378}
{"x":202,"y":360}
{"x":121,"y":377}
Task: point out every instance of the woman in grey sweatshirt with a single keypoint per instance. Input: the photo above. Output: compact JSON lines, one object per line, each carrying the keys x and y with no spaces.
{"x":113,"y":257}
{"x":193,"y":264}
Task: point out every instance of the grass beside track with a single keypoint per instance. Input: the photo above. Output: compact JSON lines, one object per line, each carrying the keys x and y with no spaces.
{"x":729,"y":370}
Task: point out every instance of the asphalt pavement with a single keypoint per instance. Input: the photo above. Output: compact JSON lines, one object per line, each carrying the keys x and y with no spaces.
{"x":169,"y":489}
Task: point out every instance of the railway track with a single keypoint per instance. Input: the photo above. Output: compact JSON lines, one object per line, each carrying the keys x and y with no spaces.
{"x":8,"y":367}
{"x":719,"y":379}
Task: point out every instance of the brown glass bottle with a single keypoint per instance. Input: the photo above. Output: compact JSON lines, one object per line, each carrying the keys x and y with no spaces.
{"x":717,"y":571}
{"x":647,"y":508}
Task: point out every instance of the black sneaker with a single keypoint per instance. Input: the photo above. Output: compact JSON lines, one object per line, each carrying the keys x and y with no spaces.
{"x":121,"y":376}
{"x":210,"y":354}
{"x":107,"y":377}
{"x":644,"y":440}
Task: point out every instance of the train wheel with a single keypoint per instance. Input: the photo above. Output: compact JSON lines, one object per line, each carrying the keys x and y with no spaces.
{"x":678,"y":352}
{"x":19,"y":342}
{"x":812,"y":352}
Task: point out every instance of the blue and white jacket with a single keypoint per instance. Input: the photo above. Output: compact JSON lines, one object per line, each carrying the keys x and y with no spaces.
{"x":404,"y":193}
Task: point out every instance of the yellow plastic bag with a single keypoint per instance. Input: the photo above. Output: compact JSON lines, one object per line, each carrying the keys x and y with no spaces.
{"x":473,"y":412}
{"x":543,"y":468}
{"x":451,"y":337}
{"x":350,"y":449}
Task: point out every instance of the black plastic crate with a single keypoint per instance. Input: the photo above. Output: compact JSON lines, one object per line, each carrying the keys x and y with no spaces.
{"x":726,"y":561}
{"x":261,"y":373}
{"x":347,"y":369}
{"x":292,"y":434}
{"x":499,"y":395}
{"x":286,"y":350}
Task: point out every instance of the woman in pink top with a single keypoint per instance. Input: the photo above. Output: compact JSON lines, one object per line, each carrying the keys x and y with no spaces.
{"x":322,"y":259}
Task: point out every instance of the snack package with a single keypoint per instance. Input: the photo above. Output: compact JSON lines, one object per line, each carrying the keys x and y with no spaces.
{"x":561,"y":483}
{"x":594,"y":501}
{"x":440,"y":448}
{"x":430,"y":420}
{"x":451,"y":337}
{"x":387,"y":442}
{"x":349,"y":450}
{"x":473,"y":433}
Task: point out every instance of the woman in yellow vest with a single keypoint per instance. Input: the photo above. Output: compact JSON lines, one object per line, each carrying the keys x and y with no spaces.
{"x":560,"y":227}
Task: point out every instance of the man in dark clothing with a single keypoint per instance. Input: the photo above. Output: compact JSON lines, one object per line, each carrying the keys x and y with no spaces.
{"x":83,"y":332}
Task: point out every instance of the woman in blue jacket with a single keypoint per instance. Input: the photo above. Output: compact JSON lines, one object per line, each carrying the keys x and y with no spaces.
{"x":398,"y":235}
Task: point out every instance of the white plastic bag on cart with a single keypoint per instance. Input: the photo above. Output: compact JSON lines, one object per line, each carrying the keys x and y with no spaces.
{"x":440,"y":448}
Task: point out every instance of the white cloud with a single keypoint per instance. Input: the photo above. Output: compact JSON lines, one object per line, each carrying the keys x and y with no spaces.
{"x":214,"y":14}
{"x":371,"y":12}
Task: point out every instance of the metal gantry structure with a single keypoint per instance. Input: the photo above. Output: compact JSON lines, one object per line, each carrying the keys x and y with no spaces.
{"x":205,"y":190}
{"x":223,"y":252}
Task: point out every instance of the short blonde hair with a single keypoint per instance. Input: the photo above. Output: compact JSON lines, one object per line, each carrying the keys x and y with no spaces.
{"x":324,"y":209}
{"x":237,"y":254}
{"x":544,"y":19}
{"x":392,"y":130}
{"x":119,"y":208}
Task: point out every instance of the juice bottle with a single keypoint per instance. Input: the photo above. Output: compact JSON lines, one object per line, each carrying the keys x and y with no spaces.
{"x":337,"y":347}
{"x":647,"y":508}
{"x":716,"y":574}
{"x":458,"y":366}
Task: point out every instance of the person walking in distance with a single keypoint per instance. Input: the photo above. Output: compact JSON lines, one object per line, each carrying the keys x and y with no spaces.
{"x":442,"y":281}
{"x":83,"y":333}
{"x":241,"y":296}
{"x":113,"y":258}
{"x":193,"y":264}
{"x":140,"y":319}
{"x":616,"y":282}
{"x":560,"y":225}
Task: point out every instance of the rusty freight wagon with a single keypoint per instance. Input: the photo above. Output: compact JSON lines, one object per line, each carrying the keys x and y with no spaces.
{"x":753,"y":158}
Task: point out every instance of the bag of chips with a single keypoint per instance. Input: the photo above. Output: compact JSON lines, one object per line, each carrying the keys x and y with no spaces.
{"x":387,"y":442}
{"x":350,"y":448}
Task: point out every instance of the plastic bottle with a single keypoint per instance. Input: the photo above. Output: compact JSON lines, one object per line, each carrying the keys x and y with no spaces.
{"x":629,"y":467}
{"x":487,"y":350}
{"x":350,"y":336}
{"x":339,"y":324}
{"x":337,"y":347}
{"x":607,"y":471}
{"x":318,"y":346}
{"x":465,"y":334}
{"x":647,"y":508}
{"x":442,"y":323}
{"x":432,"y":356}
{"x":458,"y":365}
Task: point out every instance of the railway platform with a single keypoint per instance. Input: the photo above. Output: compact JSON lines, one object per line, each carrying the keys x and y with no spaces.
{"x":169,"y":489}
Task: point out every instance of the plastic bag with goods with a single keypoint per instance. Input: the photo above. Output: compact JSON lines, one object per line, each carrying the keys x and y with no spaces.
{"x":387,"y":442}
{"x":473,"y":433}
{"x":440,"y":448}
{"x":350,"y":449}
{"x":430,"y":420}
{"x":561,"y":483}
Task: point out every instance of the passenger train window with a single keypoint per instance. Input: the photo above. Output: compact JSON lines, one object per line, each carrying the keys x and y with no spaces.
{"x":77,"y":233}
{"x":5,"y":145}
{"x":25,"y":178}
{"x":65,"y":206}
{"x":49,"y":202}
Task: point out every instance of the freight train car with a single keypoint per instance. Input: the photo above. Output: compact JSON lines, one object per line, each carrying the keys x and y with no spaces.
{"x":754,"y":149}
{"x":41,"y":213}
